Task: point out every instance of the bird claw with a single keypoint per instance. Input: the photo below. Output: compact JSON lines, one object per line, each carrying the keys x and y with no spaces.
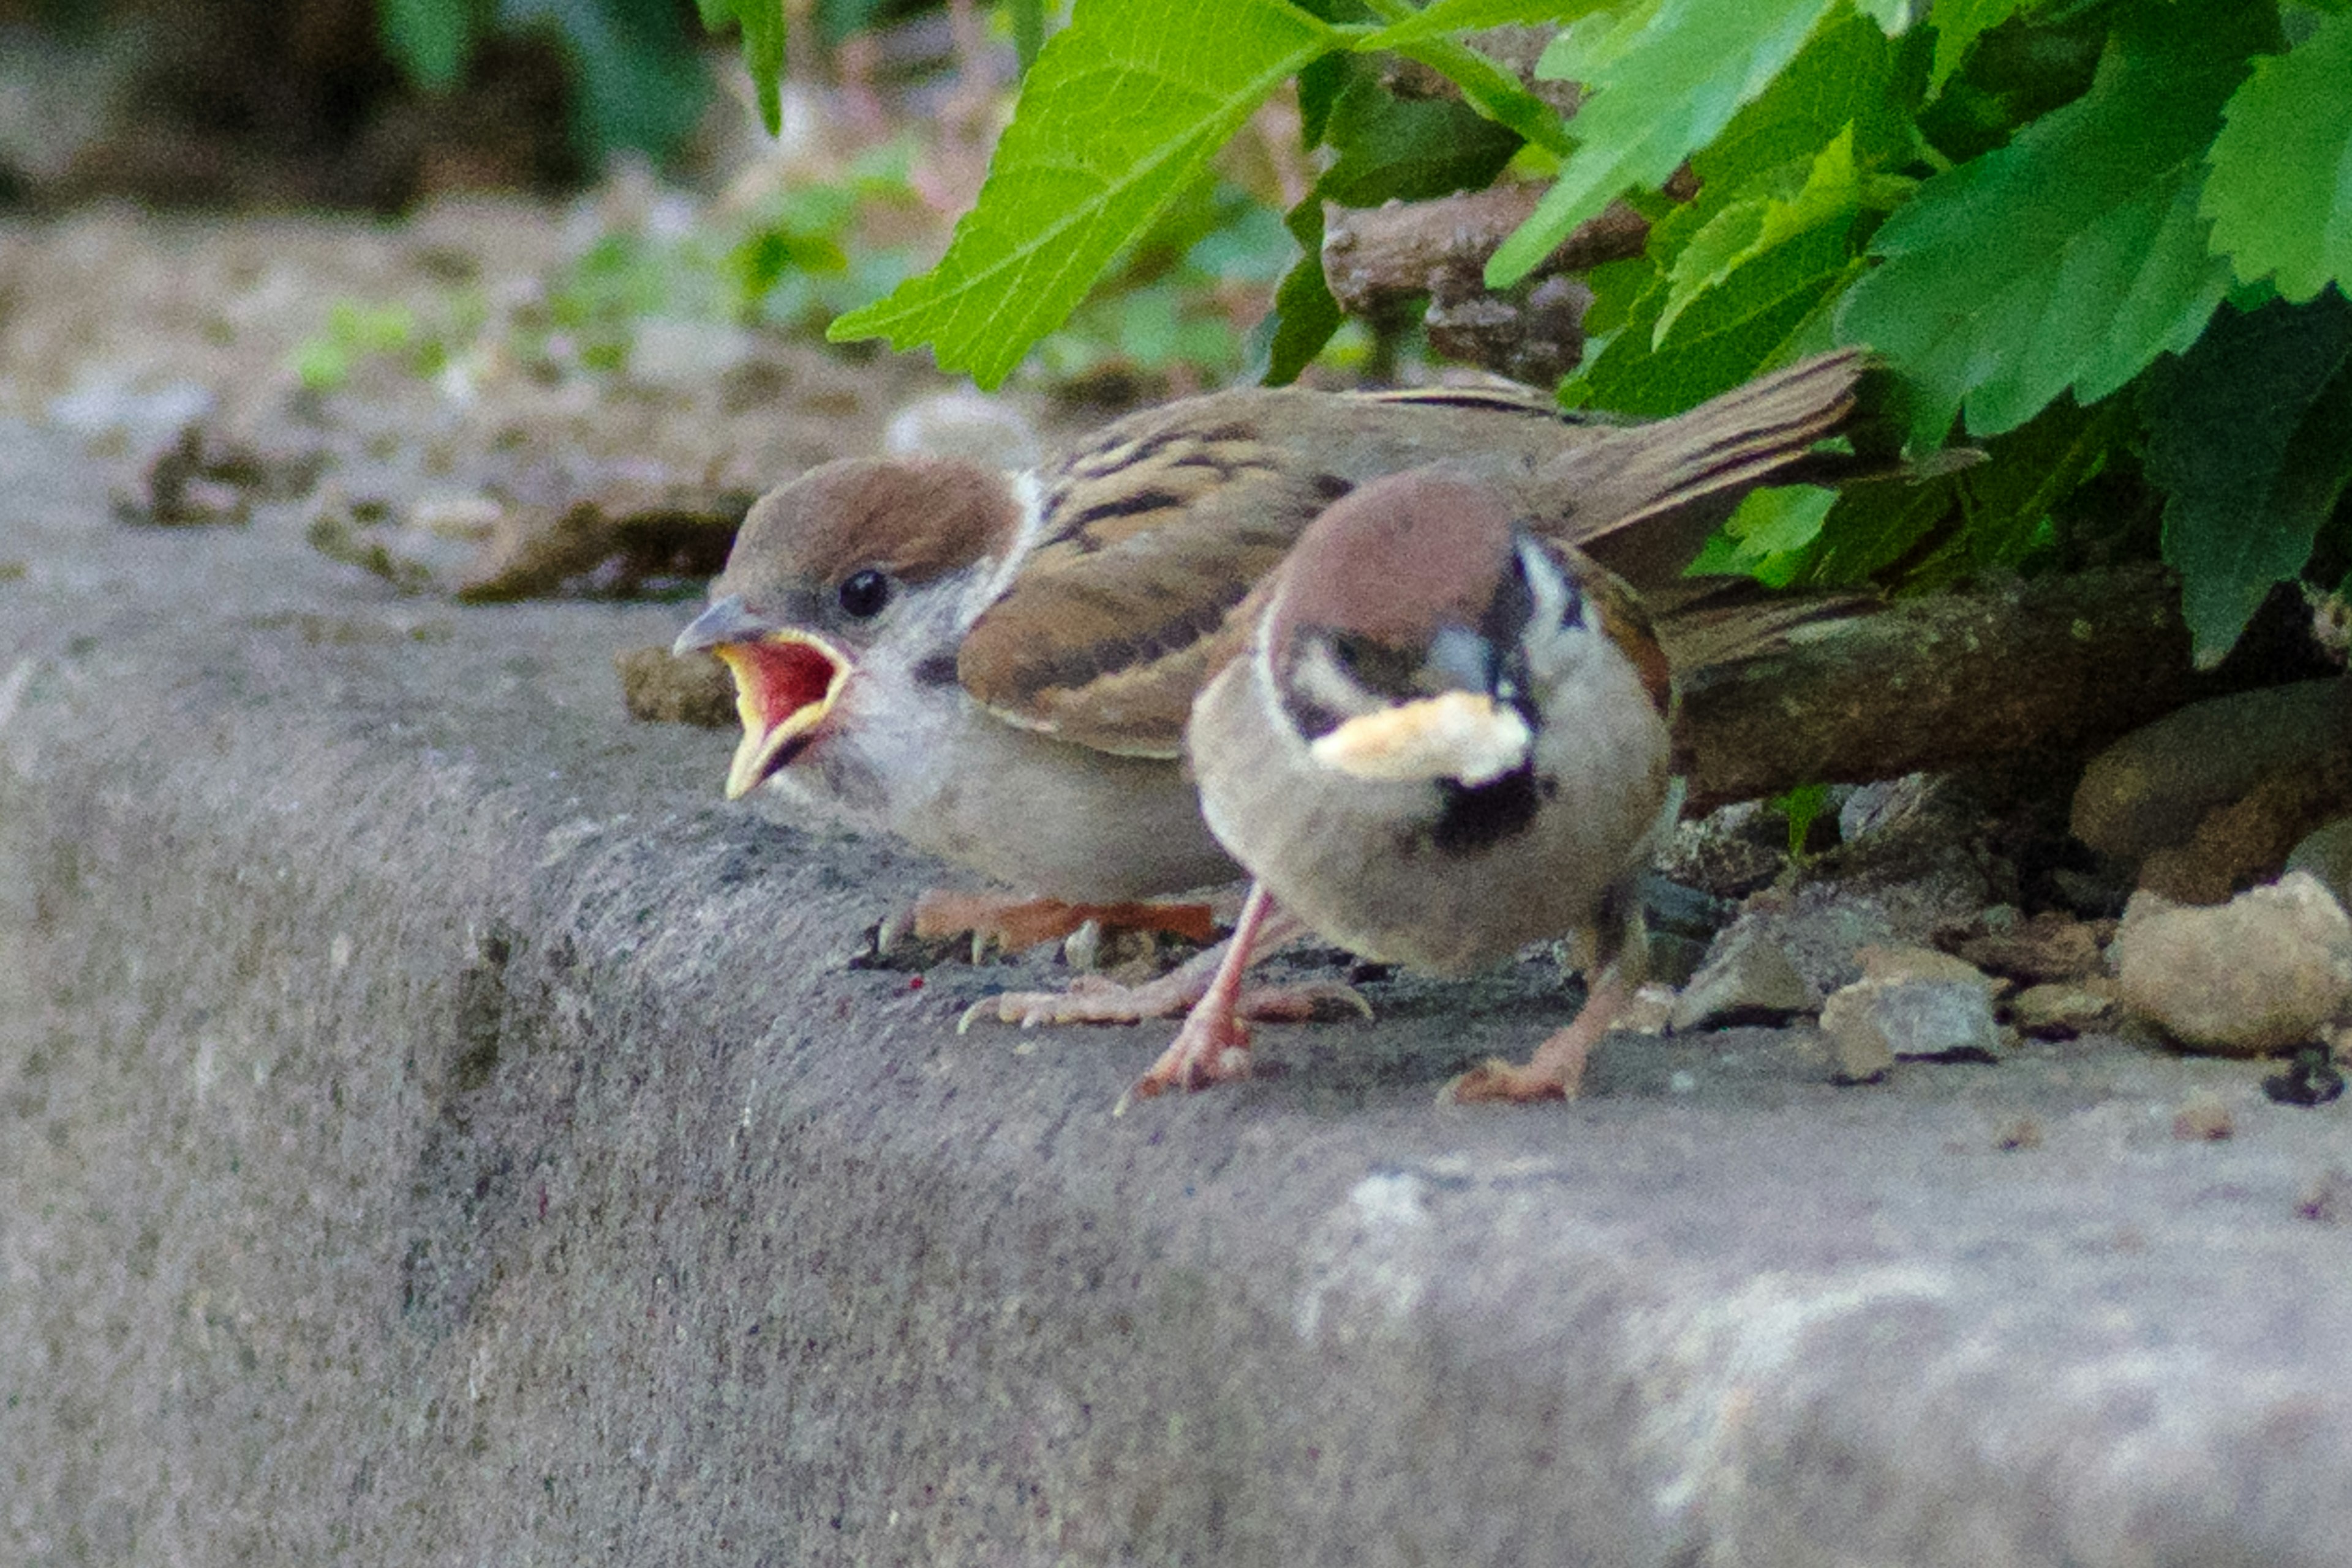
{"x":1091,"y":999}
{"x":1496,"y":1080}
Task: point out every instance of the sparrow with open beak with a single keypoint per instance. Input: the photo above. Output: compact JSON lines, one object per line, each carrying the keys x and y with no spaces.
{"x":1449,"y":738}
{"x":998,"y":668}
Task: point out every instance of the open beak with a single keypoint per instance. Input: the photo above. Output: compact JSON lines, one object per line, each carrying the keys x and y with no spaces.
{"x":786,"y":681}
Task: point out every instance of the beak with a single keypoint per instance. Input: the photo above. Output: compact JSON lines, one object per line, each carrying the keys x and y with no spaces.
{"x":786,"y":681}
{"x":727,"y":620}
{"x":1461,"y":735}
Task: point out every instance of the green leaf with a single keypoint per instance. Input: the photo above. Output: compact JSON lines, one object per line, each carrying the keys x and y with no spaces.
{"x":1305,"y":314}
{"x":1766,"y":537}
{"x":1803,"y":806}
{"x":2029,"y":473}
{"x":1893,"y":16}
{"x":1118,"y":119}
{"x":1653,"y":94}
{"x":1848,"y":76}
{"x":2280,"y":193}
{"x":1772,"y":310}
{"x":1871,"y":528}
{"x":762,"y":25}
{"x":2249,"y":436}
{"x":1494,"y":94}
{"x":1488,"y":88}
{"x":1958,"y":24}
{"x":1831,"y":195}
{"x":431,"y":40}
{"x":638,"y":83}
{"x":1847,"y":83}
{"x":2074,"y":256}
{"x":1407,"y":150}
{"x":1446,"y":17}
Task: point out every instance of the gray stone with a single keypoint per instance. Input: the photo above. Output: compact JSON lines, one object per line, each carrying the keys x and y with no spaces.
{"x":1878,"y":1021}
{"x":2326,"y":853}
{"x":433,"y":1128}
{"x":1746,"y":979}
{"x":2270,"y":968}
{"x":2153,"y":787}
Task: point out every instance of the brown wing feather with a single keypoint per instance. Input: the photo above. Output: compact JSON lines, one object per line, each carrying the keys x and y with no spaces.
{"x":1153,"y":532}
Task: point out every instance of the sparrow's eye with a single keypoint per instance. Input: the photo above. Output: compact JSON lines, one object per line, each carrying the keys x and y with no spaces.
{"x":863,"y":593}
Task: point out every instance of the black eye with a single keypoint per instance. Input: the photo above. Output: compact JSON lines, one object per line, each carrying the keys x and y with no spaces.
{"x":863,"y":593}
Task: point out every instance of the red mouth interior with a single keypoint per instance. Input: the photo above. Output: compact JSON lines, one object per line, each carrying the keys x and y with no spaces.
{"x":788,"y":677}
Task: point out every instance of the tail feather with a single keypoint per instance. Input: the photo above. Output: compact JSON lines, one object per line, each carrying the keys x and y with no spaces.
{"x":1641,"y":500}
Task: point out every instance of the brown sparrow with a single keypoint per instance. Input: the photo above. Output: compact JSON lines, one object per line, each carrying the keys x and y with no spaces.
{"x":1449,"y":739}
{"x":998,"y":668}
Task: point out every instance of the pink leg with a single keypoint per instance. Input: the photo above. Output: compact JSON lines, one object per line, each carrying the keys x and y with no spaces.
{"x":1214,"y":1043}
{"x":1091,"y":999}
{"x":1555,"y":1071}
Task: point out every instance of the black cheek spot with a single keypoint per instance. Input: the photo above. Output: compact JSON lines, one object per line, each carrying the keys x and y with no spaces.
{"x":1331,"y":486}
{"x":936,"y":669}
{"x":1477,"y":817}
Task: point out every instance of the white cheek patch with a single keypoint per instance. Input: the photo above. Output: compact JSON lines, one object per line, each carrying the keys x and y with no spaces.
{"x":1456,"y":735}
{"x":1029,"y":494}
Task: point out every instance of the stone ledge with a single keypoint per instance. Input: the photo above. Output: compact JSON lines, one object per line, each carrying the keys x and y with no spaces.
{"x":432,"y":1129}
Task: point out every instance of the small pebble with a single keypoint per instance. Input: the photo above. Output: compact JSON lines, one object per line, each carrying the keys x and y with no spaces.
{"x":1648,"y":1012}
{"x":2202,"y":1119}
{"x":2328,"y":1199}
{"x":2023,"y":1132}
{"x":1877,"y":1019}
{"x":2058,"y":1011}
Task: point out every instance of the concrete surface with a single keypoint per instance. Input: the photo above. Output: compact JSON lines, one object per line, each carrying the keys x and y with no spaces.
{"x":433,"y":1129}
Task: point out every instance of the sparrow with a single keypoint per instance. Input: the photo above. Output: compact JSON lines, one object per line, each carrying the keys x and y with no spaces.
{"x":998,"y":668}
{"x":1450,"y":737}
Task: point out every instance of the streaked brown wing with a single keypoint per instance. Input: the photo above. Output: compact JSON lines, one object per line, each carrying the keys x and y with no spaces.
{"x":1154,"y":533}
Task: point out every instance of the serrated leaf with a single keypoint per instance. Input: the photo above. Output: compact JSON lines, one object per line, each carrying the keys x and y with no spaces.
{"x":2250,"y":436}
{"x":1830,"y":195}
{"x":1958,"y":24}
{"x":1652,"y":97}
{"x":1846,"y":76}
{"x":2073,"y":256}
{"x":2280,"y":193}
{"x":1119,"y":115}
{"x":1427,"y":36}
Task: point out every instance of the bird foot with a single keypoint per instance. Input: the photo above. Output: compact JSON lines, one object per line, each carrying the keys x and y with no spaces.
{"x":1091,"y":999}
{"x":1555,"y":1071}
{"x":1005,"y":923}
{"x":1212,"y":1047}
{"x":1497,"y":1080}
